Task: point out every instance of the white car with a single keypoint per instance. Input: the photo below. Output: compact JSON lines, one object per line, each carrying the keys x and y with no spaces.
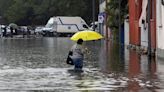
{"x":38,"y":29}
{"x":1,"y":29}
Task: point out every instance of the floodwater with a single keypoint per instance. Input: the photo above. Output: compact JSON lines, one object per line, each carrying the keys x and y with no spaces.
{"x":38,"y":65}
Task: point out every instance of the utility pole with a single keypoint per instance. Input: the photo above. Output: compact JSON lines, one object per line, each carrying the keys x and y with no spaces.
{"x":119,"y":22}
{"x":149,"y":29}
{"x":93,"y":14}
{"x":119,"y":30}
{"x":106,"y":19}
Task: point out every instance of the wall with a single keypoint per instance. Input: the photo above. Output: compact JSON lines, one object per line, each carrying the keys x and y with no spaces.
{"x":160,"y":28}
{"x":143,"y":24}
{"x":134,"y":14}
{"x":102,"y":6}
{"x":126,"y":30}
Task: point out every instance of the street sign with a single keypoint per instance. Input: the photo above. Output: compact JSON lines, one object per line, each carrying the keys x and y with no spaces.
{"x":101,"y":17}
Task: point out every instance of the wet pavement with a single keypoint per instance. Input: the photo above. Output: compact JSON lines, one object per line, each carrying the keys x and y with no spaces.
{"x":38,"y":65}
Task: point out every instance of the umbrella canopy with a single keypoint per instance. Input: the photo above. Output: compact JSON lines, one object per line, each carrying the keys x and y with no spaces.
{"x":86,"y":35}
{"x":13,"y":25}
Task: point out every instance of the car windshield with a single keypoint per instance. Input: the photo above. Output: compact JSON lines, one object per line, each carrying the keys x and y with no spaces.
{"x":50,"y":23}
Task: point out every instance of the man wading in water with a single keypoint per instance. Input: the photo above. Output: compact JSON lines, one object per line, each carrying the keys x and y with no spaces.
{"x":78,"y":55}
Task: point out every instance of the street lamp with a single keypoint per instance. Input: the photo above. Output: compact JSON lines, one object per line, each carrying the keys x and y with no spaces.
{"x":93,"y":14}
{"x":106,"y":19}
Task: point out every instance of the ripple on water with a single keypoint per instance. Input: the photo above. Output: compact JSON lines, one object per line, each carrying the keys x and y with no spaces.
{"x":56,"y":78}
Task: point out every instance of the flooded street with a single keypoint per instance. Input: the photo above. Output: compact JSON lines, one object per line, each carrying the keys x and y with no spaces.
{"x":38,"y":65}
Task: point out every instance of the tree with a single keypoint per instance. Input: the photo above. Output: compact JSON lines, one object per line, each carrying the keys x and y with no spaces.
{"x":4,"y":5}
{"x":113,"y":13}
{"x":37,"y":12}
{"x":19,"y":11}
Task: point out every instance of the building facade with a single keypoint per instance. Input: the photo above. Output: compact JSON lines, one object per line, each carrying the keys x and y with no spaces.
{"x":160,"y":27}
{"x":138,"y":23}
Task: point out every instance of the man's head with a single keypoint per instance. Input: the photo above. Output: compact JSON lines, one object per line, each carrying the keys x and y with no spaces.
{"x":80,"y":41}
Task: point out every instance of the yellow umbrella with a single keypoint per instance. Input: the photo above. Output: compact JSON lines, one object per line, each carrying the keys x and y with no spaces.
{"x":86,"y":35}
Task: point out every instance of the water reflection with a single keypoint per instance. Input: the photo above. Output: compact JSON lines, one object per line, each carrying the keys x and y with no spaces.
{"x":113,"y":55}
{"x":139,"y":71}
{"x":134,"y":64}
{"x":142,"y":72}
{"x":27,"y":52}
{"x":38,"y":65}
{"x":134,"y":71}
{"x":152,"y":67}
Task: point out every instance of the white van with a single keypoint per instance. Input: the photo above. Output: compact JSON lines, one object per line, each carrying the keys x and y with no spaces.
{"x":61,"y":25}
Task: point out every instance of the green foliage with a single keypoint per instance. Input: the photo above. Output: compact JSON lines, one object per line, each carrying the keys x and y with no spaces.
{"x":4,"y":5}
{"x":15,"y":11}
{"x":37,"y":12}
{"x":113,"y":12}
